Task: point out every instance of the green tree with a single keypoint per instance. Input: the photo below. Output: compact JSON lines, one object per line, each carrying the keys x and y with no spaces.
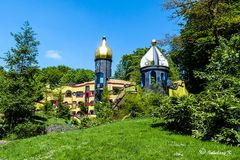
{"x":203,"y":23}
{"x":63,"y":75}
{"x":53,"y":75}
{"x":129,"y":66}
{"x":19,"y":88}
{"x":77,"y":76}
{"x":23,"y":57}
{"x":83,"y":75}
{"x":174,"y":72}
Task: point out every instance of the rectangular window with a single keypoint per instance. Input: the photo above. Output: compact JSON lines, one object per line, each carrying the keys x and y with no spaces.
{"x":79,"y":94}
{"x":101,"y":80}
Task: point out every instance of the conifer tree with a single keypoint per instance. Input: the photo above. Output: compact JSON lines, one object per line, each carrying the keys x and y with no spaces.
{"x":20,"y":88}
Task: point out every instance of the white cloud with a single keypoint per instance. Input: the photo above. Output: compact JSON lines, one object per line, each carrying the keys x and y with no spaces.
{"x":53,"y":54}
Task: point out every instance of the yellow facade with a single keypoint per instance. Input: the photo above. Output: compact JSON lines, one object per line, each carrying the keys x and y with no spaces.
{"x":180,"y":89}
{"x":84,"y":93}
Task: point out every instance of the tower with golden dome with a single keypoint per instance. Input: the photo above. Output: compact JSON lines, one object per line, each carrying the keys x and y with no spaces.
{"x":103,"y":68}
{"x":154,"y":69}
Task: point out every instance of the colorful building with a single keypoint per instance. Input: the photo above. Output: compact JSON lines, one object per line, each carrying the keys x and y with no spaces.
{"x":84,"y":93}
{"x":154,"y":69}
{"x":89,"y":93}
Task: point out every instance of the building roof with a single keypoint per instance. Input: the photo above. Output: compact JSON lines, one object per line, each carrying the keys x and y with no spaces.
{"x":111,"y":81}
{"x":153,"y":57}
{"x":103,"y":51}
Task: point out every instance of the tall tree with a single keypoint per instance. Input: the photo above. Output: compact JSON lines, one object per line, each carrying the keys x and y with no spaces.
{"x":23,"y":56}
{"x":203,"y":23}
{"x":20,"y":88}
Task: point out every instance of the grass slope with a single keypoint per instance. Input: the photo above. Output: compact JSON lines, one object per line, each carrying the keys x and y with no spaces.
{"x":130,"y":139}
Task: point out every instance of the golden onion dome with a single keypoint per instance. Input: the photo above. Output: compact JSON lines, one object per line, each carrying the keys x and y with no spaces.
{"x":103,"y":51}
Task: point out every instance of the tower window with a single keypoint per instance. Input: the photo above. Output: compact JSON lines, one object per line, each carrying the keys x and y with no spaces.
{"x":143,"y":79}
{"x":153,"y":78}
{"x":162,"y":77}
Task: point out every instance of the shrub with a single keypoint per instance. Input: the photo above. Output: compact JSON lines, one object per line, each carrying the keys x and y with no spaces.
{"x":63,"y":111}
{"x":104,"y":111}
{"x":228,"y":136}
{"x":177,"y":114}
{"x":85,"y":122}
{"x":132,"y":104}
{"x":48,"y":107}
{"x":83,"y":109}
{"x":219,"y":119}
{"x":210,"y":115}
{"x":29,"y":129}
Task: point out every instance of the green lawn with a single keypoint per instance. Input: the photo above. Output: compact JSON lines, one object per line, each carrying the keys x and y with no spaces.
{"x":129,"y":139}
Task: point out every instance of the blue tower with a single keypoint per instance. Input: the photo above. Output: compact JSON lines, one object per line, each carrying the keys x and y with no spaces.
{"x":154,"y":69}
{"x":103,"y":68}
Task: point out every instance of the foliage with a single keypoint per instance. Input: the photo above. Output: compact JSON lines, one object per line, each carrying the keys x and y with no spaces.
{"x":129,"y":66}
{"x":23,"y":57}
{"x":174,"y":72}
{"x":52,"y":75}
{"x":29,"y":129}
{"x":177,"y":114}
{"x":131,"y":104}
{"x":203,"y":23}
{"x":19,"y":87}
{"x":83,"y":108}
{"x":85,"y":122}
{"x":63,"y":111}
{"x":103,"y":111}
{"x":215,"y":115}
{"x":206,"y":116}
{"x":63,"y":75}
{"x":142,"y":103}
{"x":48,"y":107}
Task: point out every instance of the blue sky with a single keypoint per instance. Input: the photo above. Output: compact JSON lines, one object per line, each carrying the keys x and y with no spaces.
{"x":70,"y":30}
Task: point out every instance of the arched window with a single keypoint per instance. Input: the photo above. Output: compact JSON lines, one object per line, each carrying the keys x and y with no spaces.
{"x":143,"y":79}
{"x":68,"y":93}
{"x":162,"y":77}
{"x":153,"y":78}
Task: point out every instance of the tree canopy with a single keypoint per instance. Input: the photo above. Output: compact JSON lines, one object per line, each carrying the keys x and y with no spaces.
{"x":129,"y":66}
{"x":56,"y":76}
{"x":203,"y":23}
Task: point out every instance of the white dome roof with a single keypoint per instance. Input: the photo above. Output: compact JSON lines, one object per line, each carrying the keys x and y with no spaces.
{"x":154,"y":57}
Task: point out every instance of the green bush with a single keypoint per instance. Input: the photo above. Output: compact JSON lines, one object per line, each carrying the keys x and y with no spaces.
{"x":218,"y":118}
{"x":48,"y":107}
{"x":29,"y":129}
{"x":83,"y":108}
{"x":228,"y":136}
{"x":210,"y":115}
{"x":104,"y":111}
{"x":85,"y":122}
{"x":63,"y":111}
{"x":177,"y":114}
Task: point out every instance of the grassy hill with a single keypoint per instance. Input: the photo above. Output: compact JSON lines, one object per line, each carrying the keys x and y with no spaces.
{"x":129,"y":139}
